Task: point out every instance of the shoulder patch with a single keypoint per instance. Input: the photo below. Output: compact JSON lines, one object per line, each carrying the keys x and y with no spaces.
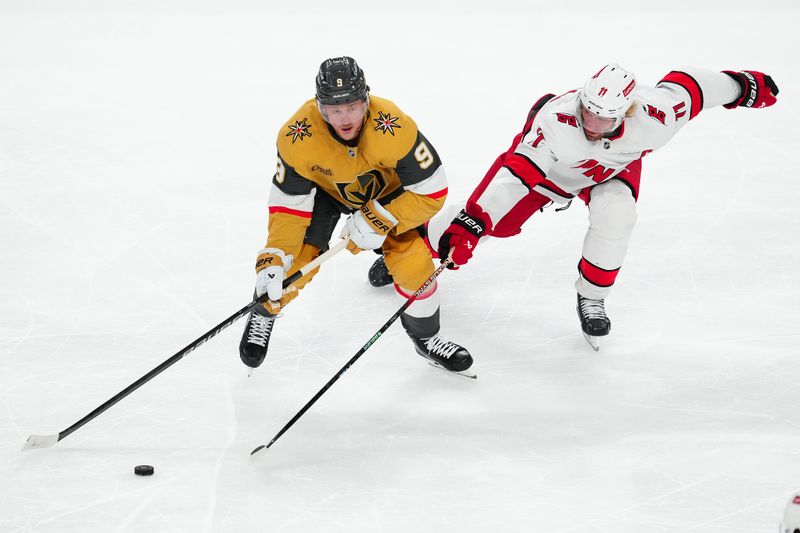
{"x":566,"y":118}
{"x":657,"y":114}
{"x":386,"y":123}
{"x":299,"y":130}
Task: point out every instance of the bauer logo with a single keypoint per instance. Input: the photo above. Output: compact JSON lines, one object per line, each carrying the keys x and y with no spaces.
{"x":264,"y":261}
{"x":753,"y":89}
{"x":470,"y":223}
{"x":374,"y":219}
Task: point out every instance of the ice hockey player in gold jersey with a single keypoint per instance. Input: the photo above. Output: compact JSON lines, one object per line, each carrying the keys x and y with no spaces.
{"x":348,"y":152}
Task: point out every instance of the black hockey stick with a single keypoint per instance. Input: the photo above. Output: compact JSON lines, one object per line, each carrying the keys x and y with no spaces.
{"x":45,"y":441}
{"x":263,"y":448}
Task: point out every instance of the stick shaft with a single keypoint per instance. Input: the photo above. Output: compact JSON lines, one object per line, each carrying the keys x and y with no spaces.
{"x":358,"y":354}
{"x":197,"y":342}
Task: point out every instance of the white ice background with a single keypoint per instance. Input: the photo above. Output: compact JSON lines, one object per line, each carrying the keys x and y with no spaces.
{"x":136,"y":152}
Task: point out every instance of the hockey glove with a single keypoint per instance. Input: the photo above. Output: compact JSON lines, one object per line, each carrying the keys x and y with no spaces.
{"x":461,"y":237}
{"x":271,"y":267}
{"x":757,"y":89}
{"x":368,"y":227}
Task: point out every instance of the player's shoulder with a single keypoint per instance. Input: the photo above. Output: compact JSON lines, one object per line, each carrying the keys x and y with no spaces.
{"x":657,"y":111}
{"x":558,"y":121}
{"x":388,"y":128}
{"x":301,"y":132}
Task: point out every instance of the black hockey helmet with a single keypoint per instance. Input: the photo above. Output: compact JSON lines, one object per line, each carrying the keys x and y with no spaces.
{"x":341,"y":81}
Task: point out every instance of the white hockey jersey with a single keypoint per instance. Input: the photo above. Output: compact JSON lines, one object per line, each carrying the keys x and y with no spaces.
{"x":553,"y":157}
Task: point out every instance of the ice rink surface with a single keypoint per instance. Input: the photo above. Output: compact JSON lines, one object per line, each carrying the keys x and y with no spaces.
{"x":136,"y":152}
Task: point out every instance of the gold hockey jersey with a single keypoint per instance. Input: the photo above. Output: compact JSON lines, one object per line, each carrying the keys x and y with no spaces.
{"x":390,"y":161}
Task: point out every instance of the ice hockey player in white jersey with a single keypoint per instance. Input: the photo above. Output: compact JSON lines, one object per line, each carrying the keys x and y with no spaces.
{"x":791,"y":515}
{"x":589,"y":143}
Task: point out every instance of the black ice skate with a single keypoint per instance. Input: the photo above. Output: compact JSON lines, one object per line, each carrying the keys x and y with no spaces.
{"x":444,"y":354}
{"x":378,"y":274}
{"x":255,"y":339}
{"x":594,"y":321}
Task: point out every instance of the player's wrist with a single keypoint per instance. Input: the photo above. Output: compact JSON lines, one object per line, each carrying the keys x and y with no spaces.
{"x":472,"y":223}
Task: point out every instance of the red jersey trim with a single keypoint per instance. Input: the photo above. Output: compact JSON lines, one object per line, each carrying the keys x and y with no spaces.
{"x":402,"y":293}
{"x":524,"y":169}
{"x":620,"y":132}
{"x":692,"y":87}
{"x":295,"y":212}
{"x":596,"y":275}
{"x":437,"y":194}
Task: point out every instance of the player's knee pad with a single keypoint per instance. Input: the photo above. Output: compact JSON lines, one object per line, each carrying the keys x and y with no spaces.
{"x":408,"y":259}
{"x":612,"y":209}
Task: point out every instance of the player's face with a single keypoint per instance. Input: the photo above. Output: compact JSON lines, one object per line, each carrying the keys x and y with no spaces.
{"x":346,"y":119}
{"x":595,"y":127}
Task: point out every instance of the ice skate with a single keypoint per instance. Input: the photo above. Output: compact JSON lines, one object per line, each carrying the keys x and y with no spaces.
{"x":378,"y":274}
{"x":444,"y":354}
{"x":255,"y":340}
{"x":594,"y":322}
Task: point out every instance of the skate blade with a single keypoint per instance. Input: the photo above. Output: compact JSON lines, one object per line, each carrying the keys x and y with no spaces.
{"x":594,"y":342}
{"x":464,"y":373}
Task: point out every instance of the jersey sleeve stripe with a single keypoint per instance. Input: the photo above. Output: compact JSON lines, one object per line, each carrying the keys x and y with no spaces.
{"x":438,"y":194}
{"x":288,"y":211}
{"x":690,"y":85}
{"x":433,"y":184}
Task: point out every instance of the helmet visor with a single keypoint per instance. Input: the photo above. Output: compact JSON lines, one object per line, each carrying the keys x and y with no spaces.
{"x":594,"y":123}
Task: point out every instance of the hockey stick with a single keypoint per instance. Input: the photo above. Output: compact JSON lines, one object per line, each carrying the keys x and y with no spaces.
{"x":263,"y":448}
{"x":45,"y":441}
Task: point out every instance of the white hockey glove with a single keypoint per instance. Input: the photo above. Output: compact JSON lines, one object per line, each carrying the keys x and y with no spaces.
{"x":271,"y":267}
{"x":367,"y":227}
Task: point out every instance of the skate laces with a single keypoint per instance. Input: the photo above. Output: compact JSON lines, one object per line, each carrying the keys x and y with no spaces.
{"x":593,"y":308}
{"x":260,"y":328}
{"x":441,"y":347}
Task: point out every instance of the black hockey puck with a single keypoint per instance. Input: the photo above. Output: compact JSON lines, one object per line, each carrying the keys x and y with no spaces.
{"x":144,"y":470}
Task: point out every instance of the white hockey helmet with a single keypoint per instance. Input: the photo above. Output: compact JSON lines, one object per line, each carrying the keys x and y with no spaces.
{"x":609,"y":93}
{"x":791,"y":516}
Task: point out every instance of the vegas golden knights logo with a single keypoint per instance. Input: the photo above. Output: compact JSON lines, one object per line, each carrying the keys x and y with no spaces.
{"x":363,"y":189}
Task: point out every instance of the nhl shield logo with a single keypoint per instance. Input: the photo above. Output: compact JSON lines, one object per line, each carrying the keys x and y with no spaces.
{"x":364,"y":188}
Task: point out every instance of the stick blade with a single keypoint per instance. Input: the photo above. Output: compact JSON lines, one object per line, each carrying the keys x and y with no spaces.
{"x":258,"y":452}
{"x":40,"y":441}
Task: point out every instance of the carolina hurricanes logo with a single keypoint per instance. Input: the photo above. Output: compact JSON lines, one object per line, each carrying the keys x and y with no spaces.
{"x":386,"y":122}
{"x":363,"y":189}
{"x":299,"y":130}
